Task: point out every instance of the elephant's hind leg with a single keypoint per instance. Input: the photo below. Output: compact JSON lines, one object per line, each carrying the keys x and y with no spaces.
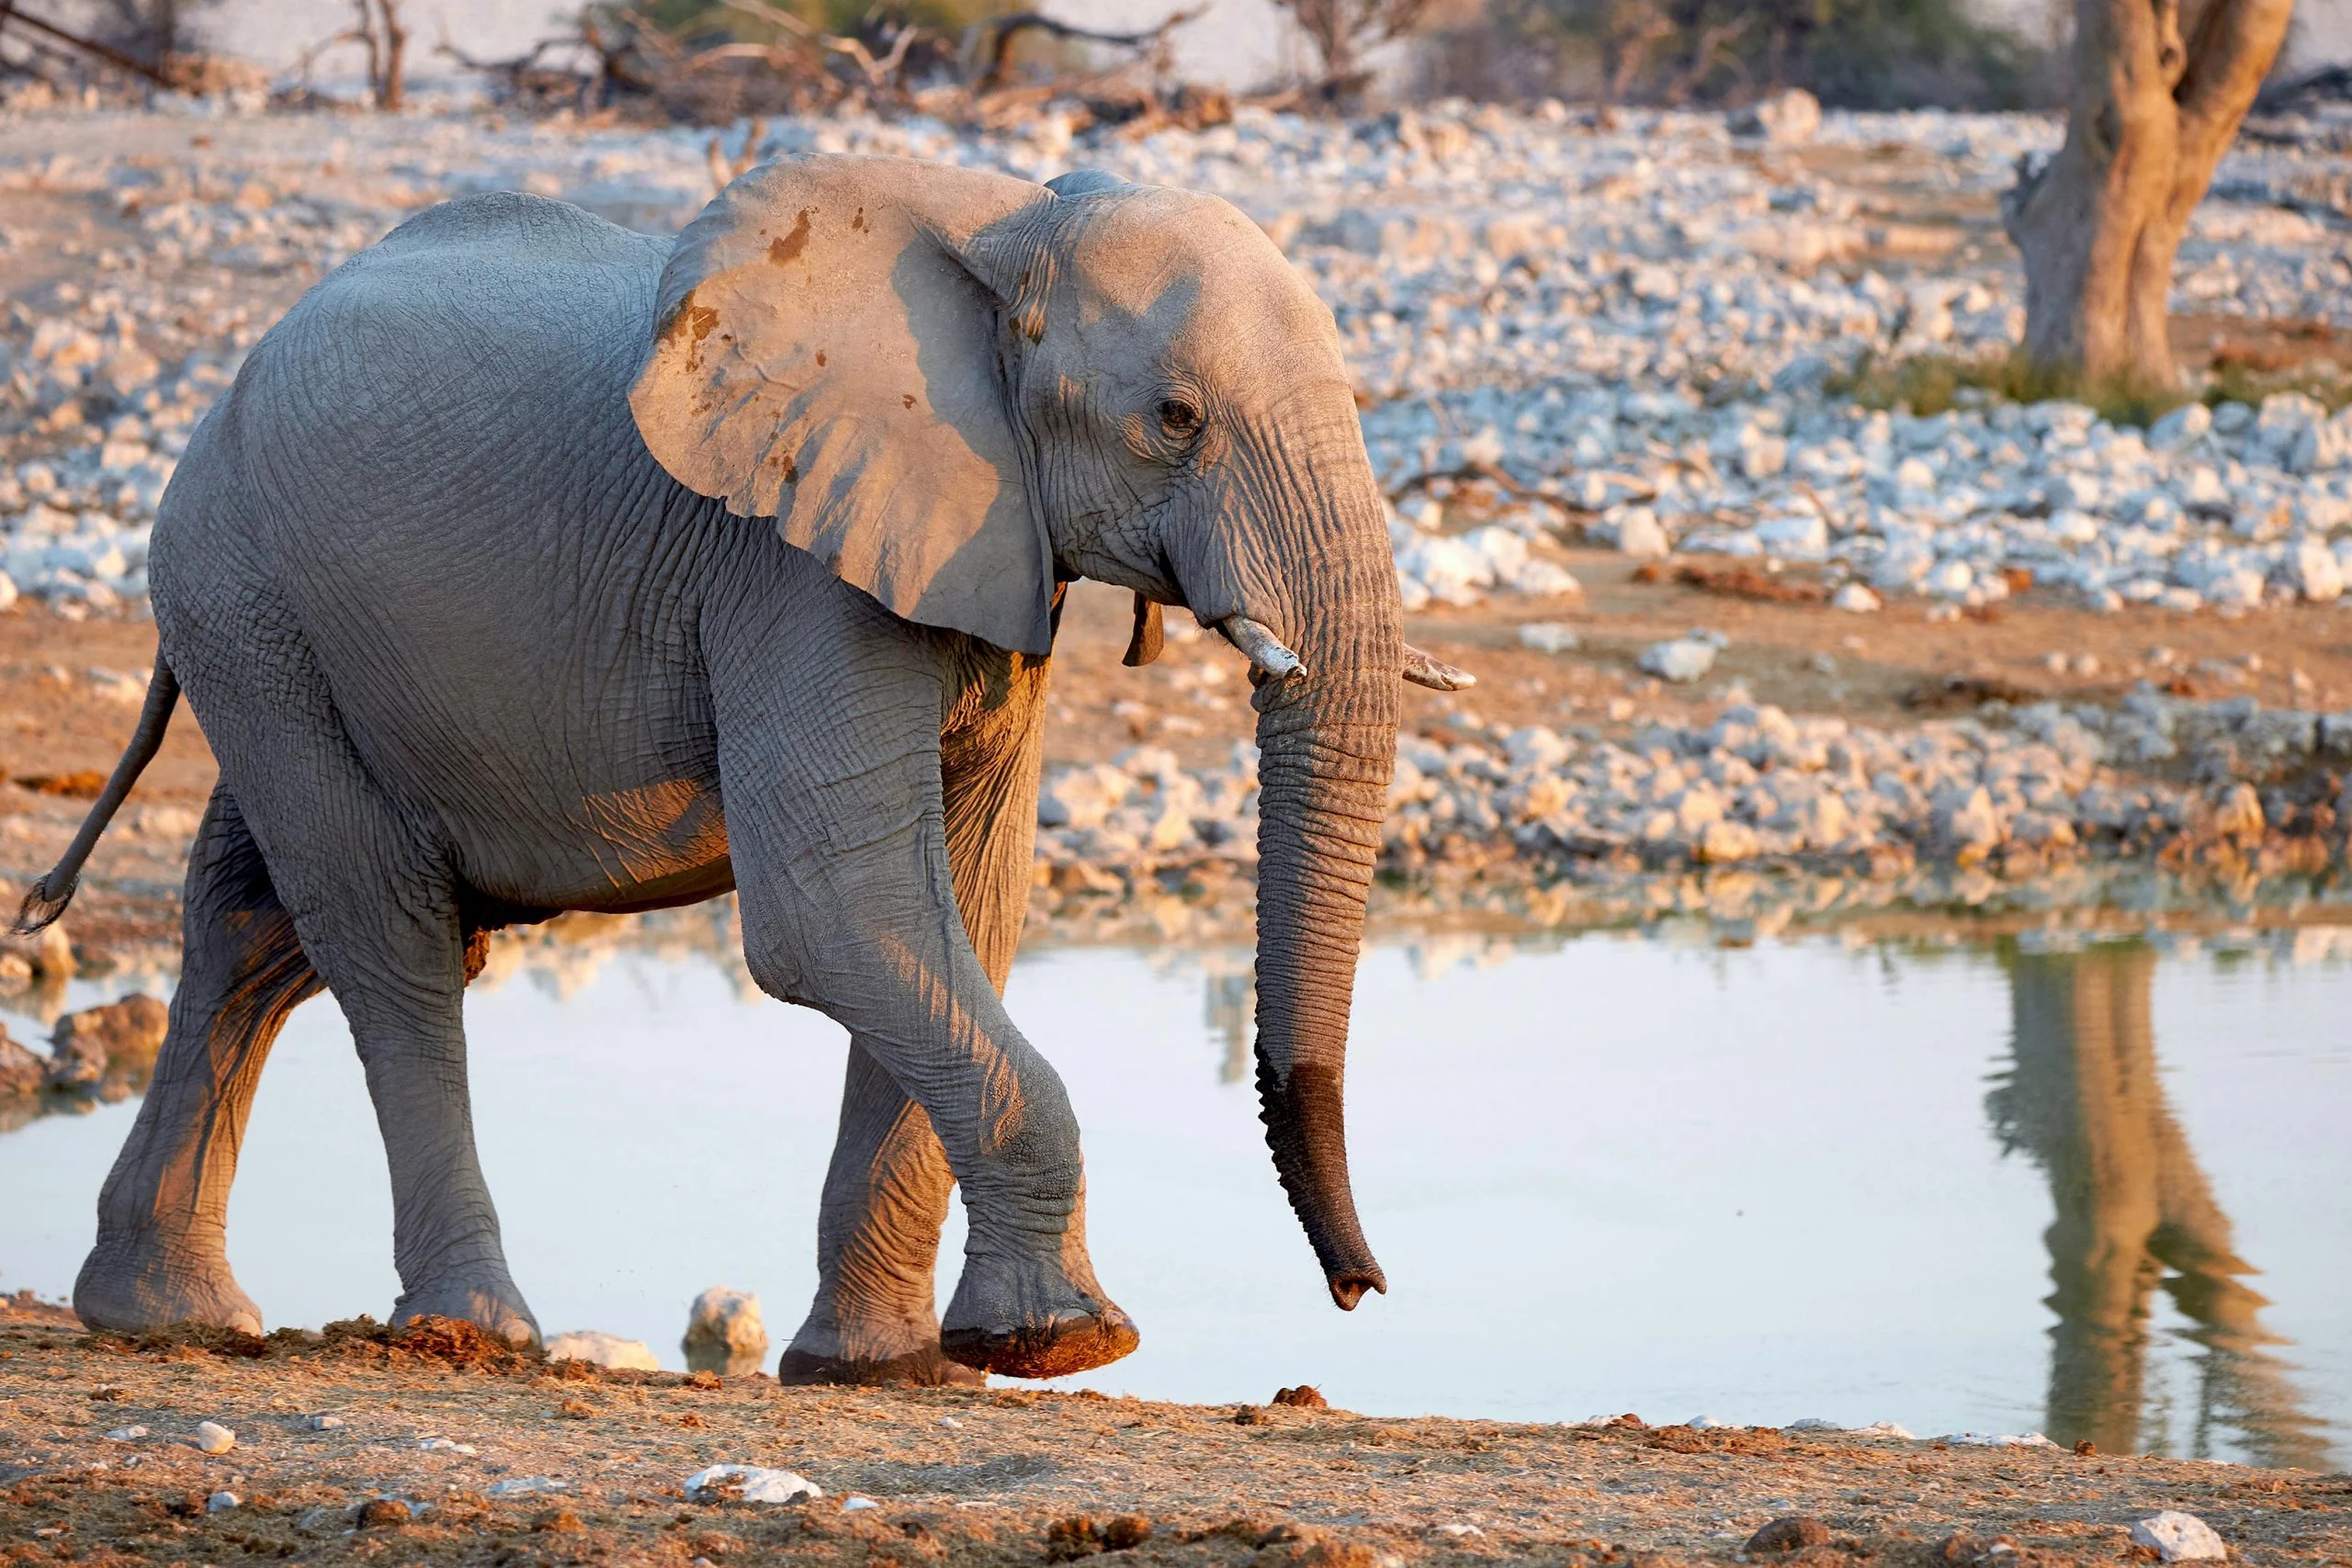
{"x":876,"y":1319}
{"x":162,"y":1253}
{"x":377,"y":906}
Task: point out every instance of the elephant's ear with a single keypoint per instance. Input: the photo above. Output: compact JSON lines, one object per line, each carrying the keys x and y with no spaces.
{"x":823,"y":355}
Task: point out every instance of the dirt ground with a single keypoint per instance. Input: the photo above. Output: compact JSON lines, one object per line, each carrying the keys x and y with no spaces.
{"x":595,"y":1465}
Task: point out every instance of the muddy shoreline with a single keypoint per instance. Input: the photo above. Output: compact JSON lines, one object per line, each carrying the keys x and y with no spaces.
{"x":495,"y":1458}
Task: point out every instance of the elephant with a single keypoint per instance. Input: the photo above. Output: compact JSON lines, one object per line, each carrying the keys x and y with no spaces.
{"x":532,"y":564}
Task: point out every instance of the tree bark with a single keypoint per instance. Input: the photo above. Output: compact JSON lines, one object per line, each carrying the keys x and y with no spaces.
{"x":392,"y":86}
{"x":2151,"y":109}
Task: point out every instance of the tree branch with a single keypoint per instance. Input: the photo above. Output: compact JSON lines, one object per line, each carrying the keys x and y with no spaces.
{"x":114,"y":57}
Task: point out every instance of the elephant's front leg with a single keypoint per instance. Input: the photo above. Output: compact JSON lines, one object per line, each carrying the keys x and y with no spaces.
{"x":839,"y":841}
{"x":875,"y":1319}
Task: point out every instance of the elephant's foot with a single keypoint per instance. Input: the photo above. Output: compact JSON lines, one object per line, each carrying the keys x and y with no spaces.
{"x":1053,"y":1347}
{"x":142,"y":1284}
{"x":484,"y":1297}
{"x":924,"y":1368}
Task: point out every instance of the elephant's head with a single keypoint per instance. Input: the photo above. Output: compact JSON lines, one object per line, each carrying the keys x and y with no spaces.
{"x":956,"y":388}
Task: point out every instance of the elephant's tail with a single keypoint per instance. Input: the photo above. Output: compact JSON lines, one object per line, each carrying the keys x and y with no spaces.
{"x":53,"y":892}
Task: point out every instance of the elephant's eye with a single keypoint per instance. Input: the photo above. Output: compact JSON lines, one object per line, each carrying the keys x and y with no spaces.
{"x":1178,"y":418}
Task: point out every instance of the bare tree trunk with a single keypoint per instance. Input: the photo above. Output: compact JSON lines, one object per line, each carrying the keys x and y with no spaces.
{"x":392,"y":83}
{"x":2149,"y":115}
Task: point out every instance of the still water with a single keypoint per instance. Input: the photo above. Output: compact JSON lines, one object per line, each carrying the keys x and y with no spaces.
{"x":2102,"y":1194}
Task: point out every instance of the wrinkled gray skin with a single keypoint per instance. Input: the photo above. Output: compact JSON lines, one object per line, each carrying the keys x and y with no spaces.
{"x":469,"y":655}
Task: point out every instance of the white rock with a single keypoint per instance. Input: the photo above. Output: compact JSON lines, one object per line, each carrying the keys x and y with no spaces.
{"x":324,"y":1423}
{"x":1640,"y":534}
{"x":726,"y":1323}
{"x":1855,"y":598}
{"x":1787,"y":119}
{"x":1709,"y":1424}
{"x":1764,"y":458}
{"x":223,"y":1502}
{"x":1883,"y":1429}
{"x":444,"y":1445}
{"x":1905,"y":563}
{"x":751,"y":1484}
{"x":527,"y":1486}
{"x":212,"y":1438}
{"x":127,"y":1434}
{"x":856,"y":1504}
{"x":2177,"y":1536}
{"x":1997,"y":1440}
{"x":2182,"y":426}
{"x":1545,"y":580}
{"x":1082,"y":797}
{"x":1547,"y":637}
{"x":2312,"y":568}
{"x":1951,"y":579}
{"x":603,"y":1350}
{"x":1816,"y":1423}
{"x":1459,"y":1531}
{"x":1797,"y":536}
{"x":1683,"y":660}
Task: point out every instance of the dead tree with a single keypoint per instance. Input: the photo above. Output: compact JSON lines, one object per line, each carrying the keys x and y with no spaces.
{"x":988,"y":43}
{"x":2157,"y":89}
{"x":1344,"y":31}
{"x":380,"y":33}
{"x":51,"y":33}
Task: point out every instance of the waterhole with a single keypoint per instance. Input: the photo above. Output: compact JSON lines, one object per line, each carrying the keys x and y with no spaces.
{"x":2099,"y":1190}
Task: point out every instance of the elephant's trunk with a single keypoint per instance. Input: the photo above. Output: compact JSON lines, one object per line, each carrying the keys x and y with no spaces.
{"x":1326,"y":743}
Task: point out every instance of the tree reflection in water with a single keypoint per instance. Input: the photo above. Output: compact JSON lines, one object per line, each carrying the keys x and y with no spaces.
{"x":2082,"y":1099}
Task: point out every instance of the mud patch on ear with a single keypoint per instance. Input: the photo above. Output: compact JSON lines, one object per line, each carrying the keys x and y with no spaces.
{"x":788,"y":247}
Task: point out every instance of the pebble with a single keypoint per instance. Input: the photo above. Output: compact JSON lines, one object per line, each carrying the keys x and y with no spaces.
{"x":750,"y":1483}
{"x":1683,"y":660}
{"x":2177,"y":1536}
{"x":526,"y":1486}
{"x":1548,"y":636}
{"x":853,"y":1504}
{"x":212,"y":1438}
{"x":323,"y":1423}
{"x":127,"y":1434}
{"x":1459,"y":1531}
{"x":603,"y":1350}
{"x":1788,"y":1533}
{"x":223,"y":1502}
{"x":444,"y":1446}
{"x":724,"y":1332}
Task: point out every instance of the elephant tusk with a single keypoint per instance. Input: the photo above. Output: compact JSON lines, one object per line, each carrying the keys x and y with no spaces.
{"x":1435,"y":673}
{"x":1262,"y":648}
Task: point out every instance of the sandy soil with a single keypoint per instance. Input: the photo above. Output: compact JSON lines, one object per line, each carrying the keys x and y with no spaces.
{"x":994,"y":1476}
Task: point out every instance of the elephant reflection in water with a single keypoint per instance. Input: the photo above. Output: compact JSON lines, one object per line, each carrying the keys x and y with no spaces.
{"x":2083,"y":1099}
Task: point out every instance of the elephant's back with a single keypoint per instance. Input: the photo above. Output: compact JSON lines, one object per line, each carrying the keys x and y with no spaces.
{"x":470,"y":319}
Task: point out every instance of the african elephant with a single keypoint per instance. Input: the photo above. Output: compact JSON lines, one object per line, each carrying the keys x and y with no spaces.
{"x":532,"y":564}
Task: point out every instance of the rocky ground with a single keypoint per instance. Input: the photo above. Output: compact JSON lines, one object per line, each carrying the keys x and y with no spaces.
{"x":438,"y":1449}
{"x":1724,"y":614}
